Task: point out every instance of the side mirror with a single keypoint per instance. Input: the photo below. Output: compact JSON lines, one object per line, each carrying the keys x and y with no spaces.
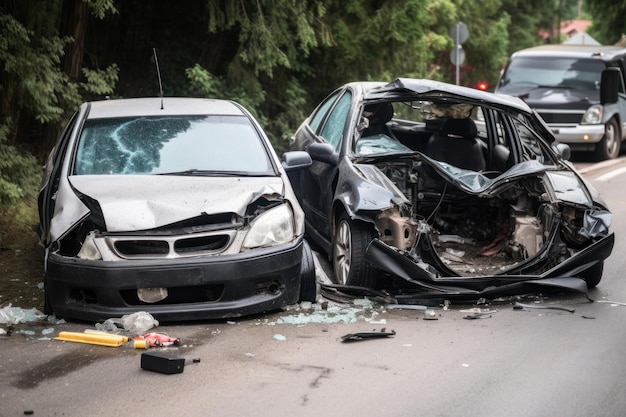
{"x":563,"y":150}
{"x":293,"y":160}
{"x":323,"y":152}
{"x":609,"y":85}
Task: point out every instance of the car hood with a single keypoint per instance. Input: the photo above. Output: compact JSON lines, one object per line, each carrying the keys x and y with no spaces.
{"x":554,"y":97}
{"x":132,"y":203}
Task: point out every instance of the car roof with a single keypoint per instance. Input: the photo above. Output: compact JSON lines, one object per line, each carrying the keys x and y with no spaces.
{"x":603,"y":52}
{"x":410,"y":88}
{"x":155,"y":106}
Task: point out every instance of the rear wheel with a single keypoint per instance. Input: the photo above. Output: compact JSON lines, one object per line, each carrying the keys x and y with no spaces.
{"x":609,"y":145}
{"x":593,"y":275}
{"x":350,"y":241}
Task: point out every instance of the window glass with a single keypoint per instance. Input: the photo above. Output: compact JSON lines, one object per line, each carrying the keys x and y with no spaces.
{"x":160,"y":145}
{"x":554,"y":72}
{"x":333,"y":128}
{"x":532,"y":147}
{"x":321,"y":112}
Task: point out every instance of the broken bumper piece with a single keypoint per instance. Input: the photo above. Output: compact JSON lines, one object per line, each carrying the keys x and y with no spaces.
{"x":424,"y":283}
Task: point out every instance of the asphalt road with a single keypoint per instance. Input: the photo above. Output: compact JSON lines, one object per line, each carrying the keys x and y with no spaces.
{"x":527,"y":362}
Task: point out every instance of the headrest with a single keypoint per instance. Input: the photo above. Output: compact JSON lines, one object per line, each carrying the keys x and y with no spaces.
{"x":382,"y":113}
{"x":461,"y":128}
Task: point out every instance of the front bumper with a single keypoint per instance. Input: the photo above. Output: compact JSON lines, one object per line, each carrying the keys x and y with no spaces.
{"x":209,"y":287}
{"x":576,"y":134}
{"x":434,"y":282}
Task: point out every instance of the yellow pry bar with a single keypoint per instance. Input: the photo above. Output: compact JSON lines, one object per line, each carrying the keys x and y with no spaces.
{"x":101,"y":339}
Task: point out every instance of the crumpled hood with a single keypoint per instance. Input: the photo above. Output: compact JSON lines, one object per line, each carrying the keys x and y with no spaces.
{"x":144,"y":202}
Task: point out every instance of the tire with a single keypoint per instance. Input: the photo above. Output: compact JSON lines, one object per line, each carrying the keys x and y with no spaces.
{"x":593,"y":275}
{"x":610,"y":144}
{"x":350,"y":240}
{"x":308,"y":279}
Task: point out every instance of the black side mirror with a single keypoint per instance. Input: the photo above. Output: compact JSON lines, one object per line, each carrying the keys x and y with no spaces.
{"x":609,"y":85}
{"x":563,"y":150}
{"x":293,"y":160}
{"x":323,"y":152}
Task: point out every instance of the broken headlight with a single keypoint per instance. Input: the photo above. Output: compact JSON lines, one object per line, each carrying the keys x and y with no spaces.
{"x":272,"y":227}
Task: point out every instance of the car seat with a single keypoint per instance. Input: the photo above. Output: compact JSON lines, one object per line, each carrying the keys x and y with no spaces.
{"x":381,"y":113}
{"x":456,"y":144}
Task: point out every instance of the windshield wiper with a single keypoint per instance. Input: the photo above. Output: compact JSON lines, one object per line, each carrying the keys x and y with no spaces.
{"x":212,"y":173}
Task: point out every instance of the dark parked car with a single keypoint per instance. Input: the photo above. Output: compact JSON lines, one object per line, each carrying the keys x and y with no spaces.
{"x":177,"y":207}
{"x":448,"y":190}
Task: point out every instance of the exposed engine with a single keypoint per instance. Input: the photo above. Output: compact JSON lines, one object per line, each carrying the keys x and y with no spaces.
{"x":473,"y":235}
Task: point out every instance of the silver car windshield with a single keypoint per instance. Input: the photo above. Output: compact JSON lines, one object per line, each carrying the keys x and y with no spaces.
{"x":189,"y":145}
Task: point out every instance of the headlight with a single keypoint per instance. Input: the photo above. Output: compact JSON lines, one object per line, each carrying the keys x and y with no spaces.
{"x":89,"y":250}
{"x":273,"y":227}
{"x":593,"y":115}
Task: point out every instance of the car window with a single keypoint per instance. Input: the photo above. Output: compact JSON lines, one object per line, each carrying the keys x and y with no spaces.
{"x":532,"y":147}
{"x":321,"y":112}
{"x":159,"y":145}
{"x":333,"y":128}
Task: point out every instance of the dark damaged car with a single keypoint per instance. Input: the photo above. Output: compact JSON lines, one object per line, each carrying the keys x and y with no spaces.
{"x":177,"y":207}
{"x":433,"y":189}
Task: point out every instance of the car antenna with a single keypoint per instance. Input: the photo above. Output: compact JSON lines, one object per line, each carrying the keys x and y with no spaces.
{"x":156,"y":61}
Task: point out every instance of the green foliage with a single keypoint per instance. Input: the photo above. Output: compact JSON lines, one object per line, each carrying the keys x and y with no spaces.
{"x":100,"y":82}
{"x":19,"y":172}
{"x":608,"y":24}
{"x":271,"y":33}
{"x":204,"y":84}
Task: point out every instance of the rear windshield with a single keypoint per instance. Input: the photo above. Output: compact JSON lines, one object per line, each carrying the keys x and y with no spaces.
{"x":553,"y":72}
{"x":165,"y":145}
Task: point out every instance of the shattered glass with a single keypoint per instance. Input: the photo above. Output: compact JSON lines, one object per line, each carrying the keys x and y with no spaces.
{"x":161,"y":145}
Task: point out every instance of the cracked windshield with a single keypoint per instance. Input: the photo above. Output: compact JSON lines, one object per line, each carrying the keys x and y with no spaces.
{"x":161,"y":145}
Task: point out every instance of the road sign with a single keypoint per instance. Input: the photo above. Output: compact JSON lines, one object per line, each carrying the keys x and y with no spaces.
{"x":459,"y":33}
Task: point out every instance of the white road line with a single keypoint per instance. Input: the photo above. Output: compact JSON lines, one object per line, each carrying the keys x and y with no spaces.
{"x":611,"y":174}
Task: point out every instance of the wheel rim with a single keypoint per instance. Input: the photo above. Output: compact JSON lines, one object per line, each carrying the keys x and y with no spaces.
{"x":341,"y":252}
{"x":611,"y":141}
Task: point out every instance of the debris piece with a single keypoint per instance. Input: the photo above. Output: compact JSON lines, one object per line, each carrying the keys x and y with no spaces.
{"x":101,"y":339}
{"x":154,"y":340}
{"x":136,"y":323}
{"x":613,"y":303}
{"x":14,"y":315}
{"x":430,"y":314}
{"x":162,"y":363}
{"x":520,"y":306}
{"x":354,"y":337}
{"x":279,"y":337}
{"x":406,"y":307}
{"x":477,"y":313}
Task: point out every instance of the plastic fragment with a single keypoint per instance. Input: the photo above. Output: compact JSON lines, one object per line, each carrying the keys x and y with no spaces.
{"x":354,"y":337}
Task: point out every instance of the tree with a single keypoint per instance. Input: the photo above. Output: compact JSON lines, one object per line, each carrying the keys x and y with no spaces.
{"x":608,"y":25}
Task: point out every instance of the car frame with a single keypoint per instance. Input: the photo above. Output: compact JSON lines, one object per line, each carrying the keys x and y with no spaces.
{"x":496,"y":213}
{"x":121,"y":233}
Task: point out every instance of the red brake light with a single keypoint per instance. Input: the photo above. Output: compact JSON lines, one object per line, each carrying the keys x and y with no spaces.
{"x":482,"y":86}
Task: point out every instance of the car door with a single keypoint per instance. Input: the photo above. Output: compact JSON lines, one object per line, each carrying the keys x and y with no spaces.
{"x":316,"y":189}
{"x":50,"y":181}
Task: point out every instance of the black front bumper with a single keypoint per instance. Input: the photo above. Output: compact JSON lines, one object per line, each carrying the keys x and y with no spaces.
{"x":211,"y":287}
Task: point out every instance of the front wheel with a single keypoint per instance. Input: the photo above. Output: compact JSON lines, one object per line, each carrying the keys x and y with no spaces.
{"x":350,"y":241}
{"x":308,"y":280}
{"x":610,"y":144}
